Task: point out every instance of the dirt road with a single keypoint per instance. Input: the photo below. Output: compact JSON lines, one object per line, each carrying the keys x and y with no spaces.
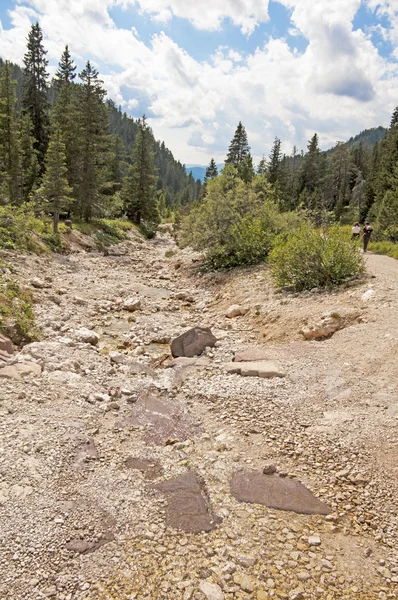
{"x":96,"y":421}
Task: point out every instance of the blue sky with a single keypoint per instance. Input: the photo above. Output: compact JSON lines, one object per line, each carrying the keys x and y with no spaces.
{"x":286,"y":68}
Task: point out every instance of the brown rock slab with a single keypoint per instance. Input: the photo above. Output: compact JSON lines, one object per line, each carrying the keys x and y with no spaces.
{"x":193,"y":342}
{"x":165,"y":420}
{"x":188,"y":507}
{"x":87,"y":546}
{"x":150,"y":468}
{"x":263,"y":369}
{"x":276,"y":492}
{"x":6,"y":348}
{"x":252,"y":354}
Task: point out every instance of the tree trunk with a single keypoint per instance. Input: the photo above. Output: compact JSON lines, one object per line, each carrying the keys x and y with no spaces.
{"x":55,"y":221}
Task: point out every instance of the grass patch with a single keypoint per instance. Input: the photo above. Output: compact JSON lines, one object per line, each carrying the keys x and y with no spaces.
{"x":170,"y":253}
{"x":386,"y":248}
{"x":17,"y":320}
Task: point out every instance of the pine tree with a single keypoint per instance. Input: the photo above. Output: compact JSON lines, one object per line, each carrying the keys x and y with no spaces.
{"x":93,"y":143}
{"x":10,"y":183}
{"x":239,"y":147}
{"x":211,"y":171}
{"x":139,"y":189}
{"x":29,"y":164}
{"x":65,"y":116}
{"x":311,"y":171}
{"x":394,"y":118}
{"x":262,"y":166}
{"x":35,"y":102}
{"x":274,"y":161}
{"x":66,"y":69}
{"x":55,"y":187}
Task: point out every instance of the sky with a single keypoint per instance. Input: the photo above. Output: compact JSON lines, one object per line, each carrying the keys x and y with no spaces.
{"x":286,"y":68}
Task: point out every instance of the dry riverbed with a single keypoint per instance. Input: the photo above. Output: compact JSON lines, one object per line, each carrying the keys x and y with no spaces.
{"x":125,"y":476}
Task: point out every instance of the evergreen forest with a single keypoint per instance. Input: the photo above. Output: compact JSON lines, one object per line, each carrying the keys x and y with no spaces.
{"x":68,"y":151}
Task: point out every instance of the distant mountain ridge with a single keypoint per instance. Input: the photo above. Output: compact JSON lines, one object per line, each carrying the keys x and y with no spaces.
{"x":368,"y":137}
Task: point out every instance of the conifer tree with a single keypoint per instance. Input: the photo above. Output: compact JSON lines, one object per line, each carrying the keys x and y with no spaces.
{"x":55,"y":188}
{"x":211,"y":173}
{"x":394,"y":118}
{"x":140,"y":201}
{"x":93,"y":143}
{"x":35,"y":102}
{"x":65,"y":117}
{"x":211,"y":170}
{"x":66,"y":69}
{"x":29,"y":164}
{"x":262,"y":166}
{"x":311,"y":169}
{"x":239,"y":147}
{"x":274,"y":161}
{"x":10,"y":183}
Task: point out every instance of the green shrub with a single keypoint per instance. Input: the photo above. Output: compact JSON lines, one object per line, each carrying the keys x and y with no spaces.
{"x":236,"y":222}
{"x":387,"y":248}
{"x":310,"y":258}
{"x":17,"y":320}
{"x":18,"y":226}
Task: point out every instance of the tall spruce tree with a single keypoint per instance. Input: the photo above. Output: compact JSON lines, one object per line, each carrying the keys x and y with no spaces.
{"x":239,"y":148}
{"x":262,"y":166}
{"x":29,"y":165}
{"x":35,"y":95}
{"x":65,"y":116}
{"x":66,"y":69}
{"x":274,"y":162}
{"x":10,"y":183}
{"x":211,"y":171}
{"x":55,"y":188}
{"x":93,"y":143}
{"x":139,"y":196}
{"x":311,"y":171}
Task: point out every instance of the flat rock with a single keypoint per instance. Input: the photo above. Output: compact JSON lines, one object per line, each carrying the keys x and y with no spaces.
{"x":132,"y":304}
{"x":276,"y":492}
{"x":165,"y":420}
{"x":212,"y":591}
{"x":188,"y":507}
{"x":87,"y":336}
{"x":149,"y":468}
{"x":262,"y":369}
{"x":252,"y":355}
{"x":193,"y":342}
{"x":6,"y":348}
{"x":87,"y":546}
{"x":19,"y":371}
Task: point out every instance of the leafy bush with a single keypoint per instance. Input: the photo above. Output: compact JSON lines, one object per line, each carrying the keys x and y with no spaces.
{"x":236,"y":222}
{"x":18,"y":226}
{"x":17,"y":320}
{"x":310,"y":258}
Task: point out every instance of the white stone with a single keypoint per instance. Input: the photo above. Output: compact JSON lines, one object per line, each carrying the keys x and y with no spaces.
{"x":212,"y":591}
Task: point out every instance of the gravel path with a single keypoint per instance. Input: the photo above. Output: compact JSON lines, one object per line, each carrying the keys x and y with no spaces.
{"x":97,"y":422}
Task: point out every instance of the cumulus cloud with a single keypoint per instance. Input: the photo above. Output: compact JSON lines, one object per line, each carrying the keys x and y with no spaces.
{"x":337,"y":86}
{"x":207,"y":14}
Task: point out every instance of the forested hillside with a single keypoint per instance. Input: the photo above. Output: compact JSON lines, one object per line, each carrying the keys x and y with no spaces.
{"x":68,"y":150}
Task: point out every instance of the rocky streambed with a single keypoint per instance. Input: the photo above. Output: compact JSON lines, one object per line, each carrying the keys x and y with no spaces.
{"x":263,"y":467}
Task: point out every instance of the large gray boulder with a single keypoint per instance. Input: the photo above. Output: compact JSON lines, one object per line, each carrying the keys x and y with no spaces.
{"x":193,"y":342}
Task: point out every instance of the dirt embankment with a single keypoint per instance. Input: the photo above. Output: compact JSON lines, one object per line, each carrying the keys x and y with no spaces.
{"x":124,"y":476}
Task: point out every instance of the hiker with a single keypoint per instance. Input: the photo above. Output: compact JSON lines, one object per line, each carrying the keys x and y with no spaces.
{"x":356,"y":231}
{"x":366,"y":233}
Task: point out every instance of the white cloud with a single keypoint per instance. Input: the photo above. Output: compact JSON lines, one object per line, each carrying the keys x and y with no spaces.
{"x":338,"y":86}
{"x":207,"y":14}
